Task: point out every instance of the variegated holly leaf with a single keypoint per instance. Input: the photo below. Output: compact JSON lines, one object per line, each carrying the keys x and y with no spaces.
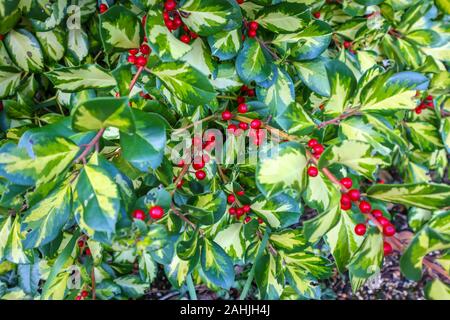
{"x":289,"y":156}
{"x":132,"y":286}
{"x":231,"y":239}
{"x":320,"y":193}
{"x":177,"y":270}
{"x":99,"y":196}
{"x":53,"y":43}
{"x":317,"y":266}
{"x":279,"y":211}
{"x":14,"y":250}
{"x":206,"y":17}
{"x":284,"y":17}
{"x":342,"y":86}
{"x":120,"y":29}
{"x":9,"y":80}
{"x":44,"y":221}
{"x":424,"y":135}
{"x":29,"y":277}
{"x":303,"y":283}
{"x":317,"y":227}
{"x":145,"y":147}
{"x":314,"y":75}
{"x":269,"y":276}
{"x":279,"y":95}
{"x":307,"y":44}
{"x":53,"y":15}
{"x":356,"y":155}
{"x":77,"y":45}
{"x":252,"y":63}
{"x":226,"y":44}
{"x":295,"y":120}
{"x":10,"y":14}
{"x":5,"y":230}
{"x":225,"y":78}
{"x":217,"y":265}
{"x":445,"y":133}
{"x":16,"y":165}
{"x":88,"y":76}
{"x":185,"y":82}
{"x":206,"y":209}
{"x":435,"y":235}
{"x":429,"y":196}
{"x":289,"y":240}
{"x":24,"y":50}
{"x":98,"y":113}
{"x":437,"y":289}
{"x":199,"y":57}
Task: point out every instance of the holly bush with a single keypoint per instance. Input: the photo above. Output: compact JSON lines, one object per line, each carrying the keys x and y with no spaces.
{"x":249,"y":148}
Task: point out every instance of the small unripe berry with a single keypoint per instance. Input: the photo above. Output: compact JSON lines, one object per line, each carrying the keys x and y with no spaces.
{"x":242,"y":108}
{"x":156,"y":212}
{"x":312,"y":171}
{"x":347,"y":182}
{"x":255,"y":124}
{"x":389,"y":230}
{"x":377,"y":213}
{"x":354,"y":194}
{"x":312,"y":143}
{"x":141,"y":61}
{"x":139,"y":214}
{"x":227,"y":115}
{"x":145,"y":49}
{"x":243,"y":125}
{"x":200,"y":174}
{"x":251,"y":33}
{"x":387,"y":248}
{"x":231,"y":198}
{"x":360,"y":229}
{"x":253,"y":25}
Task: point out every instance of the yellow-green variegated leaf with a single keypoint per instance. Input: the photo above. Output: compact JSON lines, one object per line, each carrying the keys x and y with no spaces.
{"x":206,"y":17}
{"x":295,"y":120}
{"x":77,"y":45}
{"x":199,"y":57}
{"x":54,"y":13}
{"x":313,"y":74}
{"x":206,"y":209}
{"x":163,"y":43}
{"x":216,"y":264}
{"x":176,"y":271}
{"x":437,"y":289}
{"x":269,"y":277}
{"x":252,"y":63}
{"x":289,"y":240}
{"x":185,"y":82}
{"x":445,"y":132}
{"x":16,"y":165}
{"x":226,"y":44}
{"x":429,"y":196}
{"x":424,"y":135}
{"x":342,"y":86}
{"x":24,"y":50}
{"x":120,"y":29}
{"x":278,"y":211}
{"x":10,"y":14}
{"x":316,"y":265}
{"x":302,"y":282}
{"x":14,"y":251}
{"x":231,"y":239}
{"x":356,"y":155}
{"x":289,"y":156}
{"x":320,"y":193}
{"x":148,"y":267}
{"x":279,"y":95}
{"x":98,"y":113}
{"x":9,"y":80}
{"x":5,"y":230}
{"x":132,"y":286}
{"x":317,"y":227}
{"x":87,"y":76}
{"x":52,"y":43}
{"x":284,"y":17}
{"x":44,"y":221}
{"x":435,"y":235}
{"x":225,"y":78}
{"x":99,"y":197}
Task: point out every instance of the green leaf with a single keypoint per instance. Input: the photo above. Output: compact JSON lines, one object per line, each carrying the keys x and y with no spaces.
{"x":231,"y":239}
{"x":148,"y":267}
{"x":320,"y":193}
{"x":14,"y":251}
{"x":206,"y":209}
{"x":99,"y":113}
{"x":342,"y":86}
{"x":318,"y":226}
{"x":279,"y":95}
{"x":314,"y":75}
{"x":24,"y":50}
{"x":226,"y":44}
{"x":88,"y":76}
{"x":5,"y":230}
{"x":316,"y":265}
{"x":217,"y":265}
{"x":445,"y":132}
{"x":303,"y":284}
{"x":144,"y":149}
{"x":279,"y":211}
{"x":284,"y":17}
{"x":429,"y":196}
{"x":206,"y":17}
{"x":434,"y":236}
{"x":252,"y":64}
{"x":29,"y":277}
{"x":9,"y":80}
{"x":52,"y":42}
{"x":131,"y":286}
{"x":99,"y":197}
{"x":187,"y":247}
{"x":225,"y":78}
{"x":291,"y":157}
{"x":295,"y":120}
{"x":424,"y":135}
{"x":199,"y":57}
{"x":120,"y":29}
{"x":269,"y":277}
{"x":10,"y":14}
{"x":185,"y":82}
{"x":77,"y":45}
{"x":437,"y":290}
{"x":54,"y":14}
{"x":16,"y":165}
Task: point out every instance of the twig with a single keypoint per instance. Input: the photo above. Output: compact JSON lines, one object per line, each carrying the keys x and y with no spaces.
{"x":336,"y":120}
{"x":89,"y":146}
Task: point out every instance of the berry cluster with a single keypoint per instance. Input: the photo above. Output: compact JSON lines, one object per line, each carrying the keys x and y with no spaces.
{"x":103,"y":8}
{"x":251,"y":29}
{"x":173,"y":21}
{"x":155,"y":212}
{"x":139,"y":60}
{"x":348,"y":45}
{"x":316,"y":149}
{"x":83,"y":294}
{"x":81,"y":245}
{"x":237,"y":211}
{"x":425,"y":103}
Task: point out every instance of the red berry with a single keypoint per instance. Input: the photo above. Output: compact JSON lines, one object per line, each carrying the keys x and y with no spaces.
{"x":193,"y":35}
{"x":253,"y":25}
{"x":139,"y":214}
{"x":430,"y":104}
{"x":84,"y":293}
{"x":180,"y":184}
{"x":141,"y":61}
{"x":316,"y":14}
{"x":317,"y":150}
{"x":239,"y":213}
{"x":240,"y":99}
{"x":312,"y":143}
{"x":242,"y":108}
{"x":365,"y":207}
{"x":231,"y":198}
{"x":247,"y":219}
{"x":377,"y":213}
{"x":345,"y":200}
{"x":251,"y":92}
{"x":260,"y":220}
{"x":185,"y":38}
{"x":240,"y":193}
{"x":255,"y":124}
{"x":232,"y":211}
{"x":232,"y":127}
{"x":312,"y":171}
{"x":80,"y":243}
{"x":170,"y":5}
{"x":251,"y":33}
{"x":132,"y":59}
{"x":243,"y":125}
{"x":177,"y":22}
{"x":246,"y":208}
{"x":347,"y":44}
{"x":198,"y":163}
{"x":389,"y":230}
{"x":429,"y":97}
{"x":346,"y":206}
{"x":78,"y":298}
{"x":145,"y":49}
{"x":383,"y":221}
{"x":418,"y":110}
{"x":200,"y":174}
{"x":169,"y":24}
{"x":347,"y":182}
{"x":88,"y":252}
{"x":133,"y":52}
{"x":240,"y":1}
{"x":354,"y":194}
{"x":156,"y":212}
{"x":387,"y":248}
{"x":360,"y":229}
{"x":166,"y":15}
{"x":103,"y":7}
{"x":244,"y":88}
{"x":196,"y":141}
{"x":226,"y":115}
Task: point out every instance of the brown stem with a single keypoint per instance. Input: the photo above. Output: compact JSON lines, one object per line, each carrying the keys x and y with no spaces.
{"x":135,"y":78}
{"x":341,"y":117}
{"x":183,"y":217}
{"x":180,"y":177}
{"x":89,"y":146}
{"x":222,"y":174}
